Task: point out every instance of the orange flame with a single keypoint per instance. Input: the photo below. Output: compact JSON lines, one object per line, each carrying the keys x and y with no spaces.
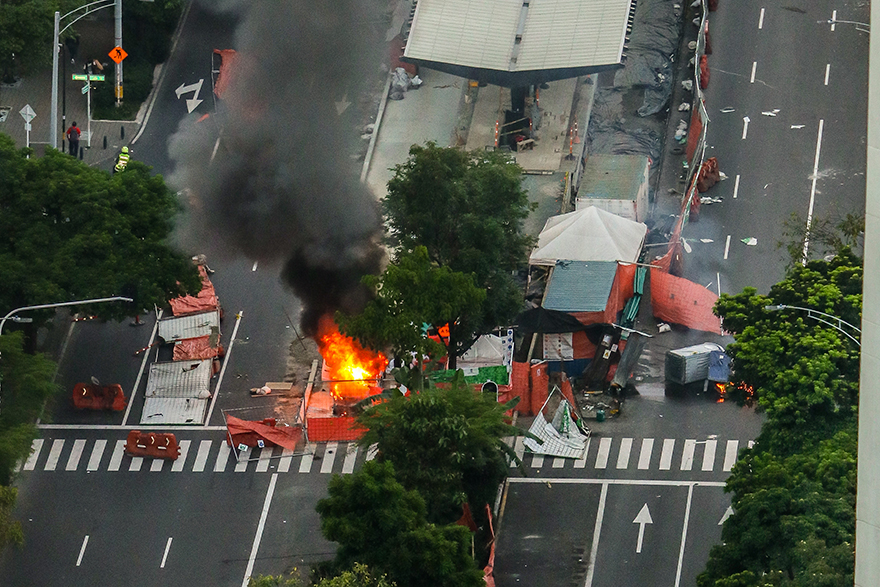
{"x":354,"y":367}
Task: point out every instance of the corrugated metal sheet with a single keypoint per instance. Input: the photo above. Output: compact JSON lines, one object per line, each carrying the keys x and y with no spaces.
{"x":569,"y":33}
{"x":555,"y":34}
{"x":578,"y":286}
{"x":191,"y":326}
{"x":180,"y":379}
{"x":174,"y":410}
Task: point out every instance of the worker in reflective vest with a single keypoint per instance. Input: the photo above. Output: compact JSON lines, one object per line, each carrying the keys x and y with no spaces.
{"x":121,"y":160}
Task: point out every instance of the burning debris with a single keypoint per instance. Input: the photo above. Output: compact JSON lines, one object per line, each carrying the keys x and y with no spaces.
{"x":352,"y":370}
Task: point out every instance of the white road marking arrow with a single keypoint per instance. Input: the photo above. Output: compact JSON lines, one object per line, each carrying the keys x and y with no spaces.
{"x":727,"y":513}
{"x":342,"y":105}
{"x":746,"y":121}
{"x":191,"y":103}
{"x":644,"y":517}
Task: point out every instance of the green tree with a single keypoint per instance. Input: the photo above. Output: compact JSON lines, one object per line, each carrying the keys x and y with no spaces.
{"x":467,"y":210}
{"x":26,"y":382}
{"x":26,"y":28}
{"x":412,"y":292}
{"x":801,"y":372}
{"x":275,"y":581}
{"x":10,"y":530}
{"x":826,"y":234}
{"x":377,"y":522}
{"x":445,"y":443}
{"x":359,"y":576}
{"x":73,"y":232}
{"x":794,"y":491}
{"x":794,"y":519}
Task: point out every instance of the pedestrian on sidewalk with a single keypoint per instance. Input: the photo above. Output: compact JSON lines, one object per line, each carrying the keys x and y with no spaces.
{"x":73,"y":134}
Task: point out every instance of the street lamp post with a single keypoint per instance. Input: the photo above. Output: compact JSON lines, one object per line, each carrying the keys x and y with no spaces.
{"x":832,"y":321}
{"x":88,"y":8}
{"x":11,"y":315}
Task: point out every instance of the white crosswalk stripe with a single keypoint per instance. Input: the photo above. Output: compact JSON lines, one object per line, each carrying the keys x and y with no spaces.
{"x":645,"y":454}
{"x":687,"y":455}
{"x":730,"y":455}
{"x":709,"y":455}
{"x":222,"y":458}
{"x":350,"y":459}
{"x":75,"y":454}
{"x":626,"y":445}
{"x":54,"y":454}
{"x":329,"y":457}
{"x":666,"y":455}
{"x":628,"y":454}
{"x":31,"y":462}
{"x":604,"y":451}
{"x":178,"y":464}
{"x":97,"y":453}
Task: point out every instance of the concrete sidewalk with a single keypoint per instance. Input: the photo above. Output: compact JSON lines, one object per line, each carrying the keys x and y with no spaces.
{"x":36,"y":91}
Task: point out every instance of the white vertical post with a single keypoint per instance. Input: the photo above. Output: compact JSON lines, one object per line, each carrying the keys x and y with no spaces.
{"x":118,"y":15}
{"x":89,"y":110}
{"x":53,"y":116}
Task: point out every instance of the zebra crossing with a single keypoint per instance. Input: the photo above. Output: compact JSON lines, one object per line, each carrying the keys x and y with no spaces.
{"x":206,"y":456}
{"x":197,"y":456}
{"x":603,"y":453}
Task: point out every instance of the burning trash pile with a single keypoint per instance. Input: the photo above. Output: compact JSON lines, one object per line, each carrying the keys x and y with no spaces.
{"x":352,"y":372}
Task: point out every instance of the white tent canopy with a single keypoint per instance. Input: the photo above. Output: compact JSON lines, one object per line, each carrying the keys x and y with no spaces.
{"x":590,"y":234}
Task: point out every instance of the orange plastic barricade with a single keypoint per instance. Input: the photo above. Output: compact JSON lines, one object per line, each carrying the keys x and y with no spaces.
{"x":159,"y":445}
{"x":97,"y":397}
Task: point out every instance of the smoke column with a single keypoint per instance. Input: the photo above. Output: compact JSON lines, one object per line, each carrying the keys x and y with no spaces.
{"x":280,"y":186}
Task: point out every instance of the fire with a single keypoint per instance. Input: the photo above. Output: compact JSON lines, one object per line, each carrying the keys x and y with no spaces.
{"x":355,"y":367}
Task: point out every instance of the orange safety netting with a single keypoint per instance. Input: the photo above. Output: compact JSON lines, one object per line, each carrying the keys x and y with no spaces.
{"x":248,"y":432}
{"x":693,"y":136}
{"x":227,"y":70}
{"x":197,"y":348}
{"x":205,"y":301}
{"x":680,"y":301}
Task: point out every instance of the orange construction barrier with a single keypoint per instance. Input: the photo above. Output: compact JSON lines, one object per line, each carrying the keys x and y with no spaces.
{"x":159,"y":445}
{"x":97,"y":397}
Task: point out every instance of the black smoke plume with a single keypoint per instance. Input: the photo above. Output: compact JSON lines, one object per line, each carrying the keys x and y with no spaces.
{"x":269,"y":173}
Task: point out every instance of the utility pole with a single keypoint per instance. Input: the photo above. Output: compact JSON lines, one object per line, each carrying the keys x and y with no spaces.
{"x":118,"y":10}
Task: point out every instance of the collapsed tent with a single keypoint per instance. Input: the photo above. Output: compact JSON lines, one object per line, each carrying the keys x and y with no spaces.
{"x":589,"y":234}
{"x":264,"y":433}
{"x":559,"y":435}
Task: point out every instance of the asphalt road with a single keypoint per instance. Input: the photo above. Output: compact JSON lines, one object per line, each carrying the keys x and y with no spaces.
{"x":803,"y":85}
{"x":670,"y":455}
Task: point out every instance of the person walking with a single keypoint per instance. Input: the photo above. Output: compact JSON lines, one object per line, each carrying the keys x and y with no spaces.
{"x":121,"y":160}
{"x":73,"y":134}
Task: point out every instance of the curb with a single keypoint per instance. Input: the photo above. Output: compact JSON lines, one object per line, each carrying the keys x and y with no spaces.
{"x":376,"y":127}
{"x":151,"y":100}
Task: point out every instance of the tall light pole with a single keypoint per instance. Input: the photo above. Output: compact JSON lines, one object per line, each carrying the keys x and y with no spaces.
{"x":88,"y":9}
{"x":11,"y":315}
{"x":832,"y":321}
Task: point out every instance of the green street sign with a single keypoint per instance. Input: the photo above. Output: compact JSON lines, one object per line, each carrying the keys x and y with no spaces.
{"x":86,"y":88}
{"x":81,"y":77}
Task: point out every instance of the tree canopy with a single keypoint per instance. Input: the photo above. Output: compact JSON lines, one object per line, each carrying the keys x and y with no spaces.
{"x":412,"y":292}
{"x":73,"y":232}
{"x":794,"y":491}
{"x":467,"y":210}
{"x":377,"y":522}
{"x":445,"y":443}
{"x":26,"y":28}
{"x":801,"y":372}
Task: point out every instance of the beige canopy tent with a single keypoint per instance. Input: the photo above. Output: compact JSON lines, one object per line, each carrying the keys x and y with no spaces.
{"x":590,"y":234}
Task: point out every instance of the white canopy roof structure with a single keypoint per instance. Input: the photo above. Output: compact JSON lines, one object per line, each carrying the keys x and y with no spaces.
{"x":590,"y":234}
{"x":516,"y":42}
